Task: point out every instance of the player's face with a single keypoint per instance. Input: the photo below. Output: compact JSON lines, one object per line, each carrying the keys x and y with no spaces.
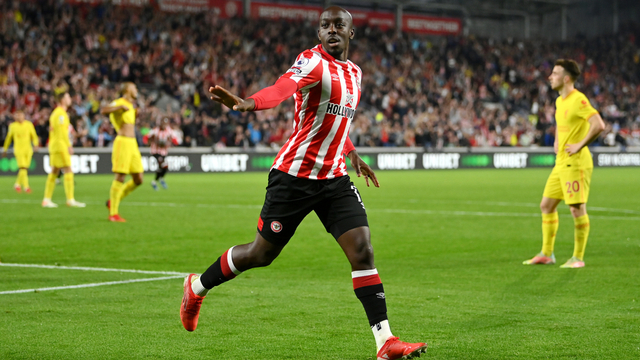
{"x":66,"y":100}
{"x":19,"y":116}
{"x":557,"y":78}
{"x":133,"y":91}
{"x":335,"y":31}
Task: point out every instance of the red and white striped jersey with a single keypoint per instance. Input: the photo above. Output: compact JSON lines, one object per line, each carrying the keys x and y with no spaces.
{"x":325,"y":104}
{"x":161,"y":140}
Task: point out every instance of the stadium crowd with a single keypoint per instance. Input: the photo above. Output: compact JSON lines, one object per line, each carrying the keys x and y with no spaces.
{"x":433,"y":92}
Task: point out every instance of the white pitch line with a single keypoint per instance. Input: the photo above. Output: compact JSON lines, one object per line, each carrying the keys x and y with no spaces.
{"x":496,"y":214}
{"x":407,"y":211}
{"x":89,"y":285}
{"x":517,"y":204}
{"x":84,"y":268}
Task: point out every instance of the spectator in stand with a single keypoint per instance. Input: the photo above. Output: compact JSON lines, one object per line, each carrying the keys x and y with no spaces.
{"x":430,"y":91}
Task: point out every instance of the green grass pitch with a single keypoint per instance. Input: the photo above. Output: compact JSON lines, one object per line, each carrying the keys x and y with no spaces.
{"x":448,"y":244}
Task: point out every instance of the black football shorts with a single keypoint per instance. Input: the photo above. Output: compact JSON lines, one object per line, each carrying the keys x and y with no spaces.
{"x":289,"y":199}
{"x":162,"y":160}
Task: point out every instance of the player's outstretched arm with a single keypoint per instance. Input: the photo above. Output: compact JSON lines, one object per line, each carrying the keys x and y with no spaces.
{"x":226,"y":98}
{"x":266,"y":98}
{"x":106,"y":110}
{"x":362,"y":168}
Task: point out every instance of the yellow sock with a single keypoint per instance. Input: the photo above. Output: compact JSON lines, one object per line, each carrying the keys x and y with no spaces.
{"x":114,"y":197}
{"x":50,"y":186}
{"x":68,"y":185}
{"x":19,"y":178}
{"x":549,"y":230}
{"x":581,"y":235}
{"x":129,"y":186}
{"x":24,"y":179}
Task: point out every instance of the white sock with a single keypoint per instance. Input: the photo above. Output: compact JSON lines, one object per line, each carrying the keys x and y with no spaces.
{"x":381,"y":331}
{"x":198,"y":288}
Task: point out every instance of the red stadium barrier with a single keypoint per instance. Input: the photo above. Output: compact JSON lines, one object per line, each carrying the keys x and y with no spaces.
{"x":431,"y":25}
{"x":222,"y":8}
{"x":233,"y":8}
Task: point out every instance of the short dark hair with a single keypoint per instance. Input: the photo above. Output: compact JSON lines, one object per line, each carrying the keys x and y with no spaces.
{"x":59,"y":96}
{"x":570,"y":67}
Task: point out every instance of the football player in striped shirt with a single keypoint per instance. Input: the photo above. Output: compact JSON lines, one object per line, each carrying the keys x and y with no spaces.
{"x":160,"y":138}
{"x":309,"y":174}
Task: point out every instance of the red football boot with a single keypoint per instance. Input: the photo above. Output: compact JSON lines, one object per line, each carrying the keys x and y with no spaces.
{"x":393,"y":348}
{"x":191,"y":303}
{"x":116,"y":218}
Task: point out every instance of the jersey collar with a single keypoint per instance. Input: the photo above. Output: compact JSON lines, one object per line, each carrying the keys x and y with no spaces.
{"x":571,"y":93}
{"x":324,"y":53}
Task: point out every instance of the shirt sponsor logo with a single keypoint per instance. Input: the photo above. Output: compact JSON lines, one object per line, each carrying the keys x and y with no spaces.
{"x":397,"y":161}
{"x":339,"y":110}
{"x":441,"y":161}
{"x":224,"y":162}
{"x":510,"y":161}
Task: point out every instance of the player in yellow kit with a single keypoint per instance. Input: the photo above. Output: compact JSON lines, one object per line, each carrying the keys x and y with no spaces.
{"x":577,"y":125}
{"x":60,"y":151}
{"x":125,"y":158}
{"x":23,"y":135}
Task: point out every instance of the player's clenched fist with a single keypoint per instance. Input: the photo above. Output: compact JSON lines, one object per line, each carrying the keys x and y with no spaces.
{"x":224,"y":97}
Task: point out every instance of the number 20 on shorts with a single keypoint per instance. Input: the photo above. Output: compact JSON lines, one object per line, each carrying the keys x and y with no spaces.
{"x":575,"y":186}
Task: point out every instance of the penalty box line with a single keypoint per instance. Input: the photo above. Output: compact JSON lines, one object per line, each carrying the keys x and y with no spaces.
{"x":172,"y":275}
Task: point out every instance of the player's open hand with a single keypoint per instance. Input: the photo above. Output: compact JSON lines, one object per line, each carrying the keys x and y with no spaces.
{"x":224,"y":97}
{"x":572,"y":149}
{"x":4,"y":154}
{"x":362,"y":168}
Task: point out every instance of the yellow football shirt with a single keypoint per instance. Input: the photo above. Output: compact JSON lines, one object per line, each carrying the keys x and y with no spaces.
{"x":572,"y":120}
{"x":122,"y":117}
{"x":23,"y":136}
{"x":59,"y":131}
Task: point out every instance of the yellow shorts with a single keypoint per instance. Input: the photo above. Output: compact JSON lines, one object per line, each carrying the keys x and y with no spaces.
{"x":126,"y":158}
{"x":572,"y":185}
{"x":24,"y":159}
{"x":60,"y":159}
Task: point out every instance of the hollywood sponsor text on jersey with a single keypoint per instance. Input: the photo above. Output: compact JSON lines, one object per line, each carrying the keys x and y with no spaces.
{"x":339,"y":110}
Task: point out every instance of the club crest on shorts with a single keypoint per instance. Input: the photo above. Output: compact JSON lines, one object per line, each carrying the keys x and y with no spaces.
{"x":276,"y":227}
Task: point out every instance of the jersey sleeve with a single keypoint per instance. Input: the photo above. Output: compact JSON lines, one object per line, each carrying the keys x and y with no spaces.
{"x":9,"y":138}
{"x":307,"y":70}
{"x":585,"y":110}
{"x":272,"y":96}
{"x":348,"y":146}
